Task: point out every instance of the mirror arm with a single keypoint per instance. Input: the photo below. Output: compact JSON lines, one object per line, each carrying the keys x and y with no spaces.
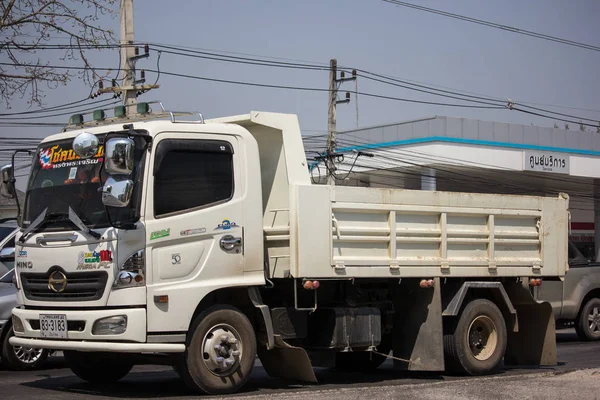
{"x":13,"y":180}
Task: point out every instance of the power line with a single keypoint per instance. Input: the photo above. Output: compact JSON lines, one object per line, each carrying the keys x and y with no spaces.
{"x":53,"y":108}
{"x":311,"y":89}
{"x":550,"y":117}
{"x":241,"y":54}
{"x":237,"y":59}
{"x":262,"y":62}
{"x":496,"y":25}
{"x":74,"y":111}
{"x":456,"y":96}
{"x":557,"y":113}
{"x":56,"y":66}
{"x":487,"y":100}
{"x":223,"y":53}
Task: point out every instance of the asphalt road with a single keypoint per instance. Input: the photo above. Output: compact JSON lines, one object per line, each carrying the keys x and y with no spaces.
{"x":55,"y":381}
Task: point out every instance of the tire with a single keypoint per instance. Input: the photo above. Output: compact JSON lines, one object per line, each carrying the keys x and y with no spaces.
{"x":587,"y":325}
{"x":363,"y":361}
{"x":215,"y":363}
{"x":19,"y":358}
{"x":97,"y":367}
{"x":476,"y":342}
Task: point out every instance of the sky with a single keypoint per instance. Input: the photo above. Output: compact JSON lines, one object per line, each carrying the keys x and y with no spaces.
{"x":368,"y":34}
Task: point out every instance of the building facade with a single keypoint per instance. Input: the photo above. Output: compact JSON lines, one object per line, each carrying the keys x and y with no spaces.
{"x":457,"y":154}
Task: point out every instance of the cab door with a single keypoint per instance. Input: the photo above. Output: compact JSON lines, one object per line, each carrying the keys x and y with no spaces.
{"x":194,"y":218}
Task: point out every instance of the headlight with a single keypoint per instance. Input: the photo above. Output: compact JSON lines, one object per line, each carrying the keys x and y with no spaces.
{"x":133,"y":271}
{"x":110,"y":326}
{"x":17,"y":324}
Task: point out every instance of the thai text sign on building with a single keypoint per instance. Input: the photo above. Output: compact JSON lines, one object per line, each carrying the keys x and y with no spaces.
{"x":543,"y":161}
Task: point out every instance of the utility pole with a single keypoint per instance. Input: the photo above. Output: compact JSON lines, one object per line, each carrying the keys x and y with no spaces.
{"x":130,"y":87}
{"x":331,"y":121}
{"x":331,"y":116}
{"x":127,"y":54}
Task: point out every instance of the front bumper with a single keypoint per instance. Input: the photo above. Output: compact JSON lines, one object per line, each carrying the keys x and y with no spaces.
{"x":79,"y":334}
{"x":113,"y":347}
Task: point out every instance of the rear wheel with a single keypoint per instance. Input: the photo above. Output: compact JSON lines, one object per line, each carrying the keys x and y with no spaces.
{"x":220,"y":352}
{"x":476,"y":343}
{"x":588,"y":323}
{"x":19,"y":358}
{"x":97,"y":367}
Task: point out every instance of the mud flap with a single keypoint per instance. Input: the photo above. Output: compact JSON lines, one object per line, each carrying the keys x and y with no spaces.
{"x":418,"y":332}
{"x":288,"y":362}
{"x":534,"y":341}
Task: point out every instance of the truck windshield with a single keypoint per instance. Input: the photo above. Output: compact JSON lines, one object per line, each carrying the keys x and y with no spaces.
{"x":60,"y":179}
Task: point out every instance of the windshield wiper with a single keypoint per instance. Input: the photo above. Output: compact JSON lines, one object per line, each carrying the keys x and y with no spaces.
{"x":33,"y":226}
{"x":79,"y":223}
{"x":42,"y":220}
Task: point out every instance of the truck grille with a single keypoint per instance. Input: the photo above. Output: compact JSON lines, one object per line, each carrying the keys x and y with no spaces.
{"x":81,"y":286}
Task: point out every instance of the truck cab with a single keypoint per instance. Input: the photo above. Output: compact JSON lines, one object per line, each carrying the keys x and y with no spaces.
{"x":129,"y":229}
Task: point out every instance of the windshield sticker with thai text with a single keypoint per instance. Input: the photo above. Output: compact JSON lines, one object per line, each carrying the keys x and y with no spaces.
{"x":57,"y":157}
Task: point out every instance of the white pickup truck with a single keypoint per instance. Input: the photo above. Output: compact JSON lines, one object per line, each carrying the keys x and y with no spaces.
{"x":203,"y":243}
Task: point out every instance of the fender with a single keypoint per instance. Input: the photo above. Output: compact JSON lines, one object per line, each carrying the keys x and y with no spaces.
{"x":500,"y":295}
{"x":256,"y":300}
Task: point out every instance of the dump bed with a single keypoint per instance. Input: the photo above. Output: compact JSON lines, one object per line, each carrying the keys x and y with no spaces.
{"x":368,"y":232}
{"x":320,"y":231}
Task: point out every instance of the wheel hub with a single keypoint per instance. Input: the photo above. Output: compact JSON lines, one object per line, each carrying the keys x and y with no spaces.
{"x":222,"y":350}
{"x":482,"y":337}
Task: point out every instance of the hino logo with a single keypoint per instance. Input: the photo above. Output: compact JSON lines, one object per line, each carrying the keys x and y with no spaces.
{"x":57,"y":282}
{"x":24,"y":264}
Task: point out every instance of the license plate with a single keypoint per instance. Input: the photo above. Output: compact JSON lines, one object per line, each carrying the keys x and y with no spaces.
{"x":53,"y":326}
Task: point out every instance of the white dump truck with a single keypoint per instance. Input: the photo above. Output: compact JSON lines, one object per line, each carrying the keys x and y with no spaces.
{"x":166,"y":239}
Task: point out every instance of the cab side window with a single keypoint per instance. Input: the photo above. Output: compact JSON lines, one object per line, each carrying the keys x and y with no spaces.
{"x":192,"y":174}
{"x":10,"y":243}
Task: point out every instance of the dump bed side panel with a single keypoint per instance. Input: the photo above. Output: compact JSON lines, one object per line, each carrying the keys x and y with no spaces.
{"x":367,"y":232}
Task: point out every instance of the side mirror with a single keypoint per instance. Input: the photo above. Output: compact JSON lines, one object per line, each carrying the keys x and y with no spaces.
{"x":7,"y":187}
{"x":119,"y":156}
{"x":7,"y":254}
{"x":85,"y":145}
{"x":117,"y":193}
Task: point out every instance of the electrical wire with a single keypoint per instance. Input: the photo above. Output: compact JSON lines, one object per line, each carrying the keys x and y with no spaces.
{"x":308,"y":65}
{"x":495,"y":102}
{"x":54,"y":108}
{"x":480,"y":100}
{"x":496,"y":25}
{"x":74,"y":111}
{"x":312,"y":89}
{"x":237,"y":59}
{"x":222,"y":53}
{"x":55,"y":66}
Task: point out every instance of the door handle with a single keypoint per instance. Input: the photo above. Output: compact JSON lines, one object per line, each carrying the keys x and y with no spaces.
{"x":229,"y":243}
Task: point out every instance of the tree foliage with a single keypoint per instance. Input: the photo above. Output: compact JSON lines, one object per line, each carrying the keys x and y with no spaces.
{"x":29,"y":54}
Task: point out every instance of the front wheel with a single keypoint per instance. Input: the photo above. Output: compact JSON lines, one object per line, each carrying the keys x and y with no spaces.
{"x":476,"y":343}
{"x":588,"y":323}
{"x":19,"y":358}
{"x":220,"y":351}
{"x":97,"y":367}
